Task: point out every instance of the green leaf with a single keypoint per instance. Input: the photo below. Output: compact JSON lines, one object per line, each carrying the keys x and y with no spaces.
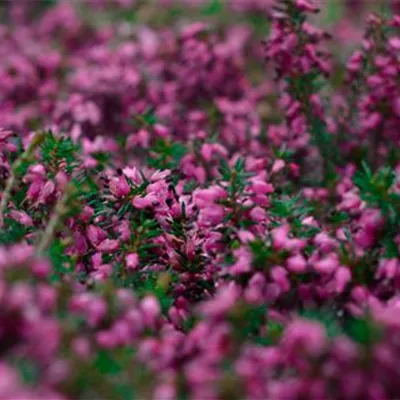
{"x":62,"y":263}
{"x":12,"y":232}
{"x":148,"y":119}
{"x":56,"y":151}
{"x":326,"y":318}
{"x":225,"y":170}
{"x":167,"y":155}
{"x":106,"y":364}
{"x":29,"y":371}
{"x":213,"y":7}
{"x":364,"y":331}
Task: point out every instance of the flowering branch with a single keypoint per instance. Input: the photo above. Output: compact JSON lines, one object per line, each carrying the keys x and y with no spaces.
{"x":21,"y":160}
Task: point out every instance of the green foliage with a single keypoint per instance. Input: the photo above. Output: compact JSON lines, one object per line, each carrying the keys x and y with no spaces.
{"x":106,"y":364}
{"x":337,"y":217}
{"x":108,"y":375}
{"x":166,"y":155}
{"x":302,"y":88}
{"x":189,"y":186}
{"x":264,"y":256}
{"x":102,"y":158}
{"x":290,"y":207}
{"x":57,"y":150}
{"x":284,"y":153}
{"x":334,"y":11}
{"x":247,"y":320}
{"x":236,"y":176}
{"x":303,"y":231}
{"x":212,"y":7}
{"x":12,"y":232}
{"x":22,"y":167}
{"x":28,"y":370}
{"x":62,"y":263}
{"x":145,"y":120}
{"x":259,"y":23}
{"x":129,"y":16}
{"x":261,"y":254}
{"x":154,"y":284}
{"x":363,"y":330}
{"x":49,"y":3}
{"x":376,"y":190}
{"x":327,"y":148}
{"x":325,"y":317}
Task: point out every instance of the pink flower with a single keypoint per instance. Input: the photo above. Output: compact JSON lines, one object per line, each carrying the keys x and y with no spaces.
{"x":243,"y":262}
{"x":161,"y":130}
{"x":278,"y":166}
{"x":296,"y":263}
{"x":159,"y":175}
{"x":144,"y":202}
{"x":305,"y":336}
{"x":95,"y":234}
{"x":388,"y":268}
{"x":351,"y":202}
{"x":22,"y":217}
{"x":119,"y":187}
{"x":306,"y":5}
{"x":279,"y":276}
{"x":364,"y":238}
{"x":81,"y":347}
{"x":108,"y":245}
{"x":327,"y":265}
{"x":211,"y":215}
{"x":371,"y":220}
{"x":258,"y":214}
{"x":206,"y":151}
{"x":209,"y":195}
{"x":46,"y":191}
{"x":372,"y":121}
{"x":150,"y":310}
{"x":325,"y":242}
{"x":222,"y":302}
{"x":261,"y":187}
{"x":280,"y":236}
{"x":41,"y":268}
{"x":245,"y":236}
{"x":106,"y":339}
{"x":394,"y":42}
{"x":342,"y":278}
{"x":133,"y":174}
{"x":132,"y":261}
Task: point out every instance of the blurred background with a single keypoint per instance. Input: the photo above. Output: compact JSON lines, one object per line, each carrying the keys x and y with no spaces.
{"x":160,"y":12}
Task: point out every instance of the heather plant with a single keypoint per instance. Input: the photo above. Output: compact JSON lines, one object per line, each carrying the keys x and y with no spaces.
{"x":199,"y":200}
{"x":294,"y":45}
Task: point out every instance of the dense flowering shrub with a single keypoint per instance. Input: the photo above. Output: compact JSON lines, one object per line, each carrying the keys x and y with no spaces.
{"x":197,"y":207}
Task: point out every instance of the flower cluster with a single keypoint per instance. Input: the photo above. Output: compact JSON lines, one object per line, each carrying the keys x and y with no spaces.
{"x":374,"y":68}
{"x":187,"y":211}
